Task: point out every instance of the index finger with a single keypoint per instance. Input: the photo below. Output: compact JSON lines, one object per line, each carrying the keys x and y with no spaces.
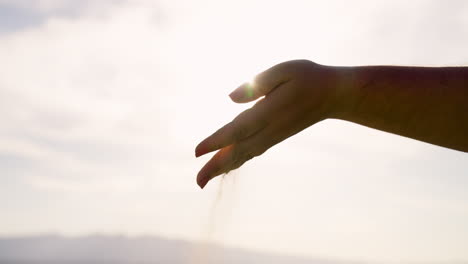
{"x":244,"y":125}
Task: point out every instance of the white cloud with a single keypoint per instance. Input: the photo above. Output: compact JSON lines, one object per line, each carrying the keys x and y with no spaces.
{"x":74,"y":87}
{"x":48,"y":6}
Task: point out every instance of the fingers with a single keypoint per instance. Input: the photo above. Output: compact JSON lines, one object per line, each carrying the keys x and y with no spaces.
{"x":251,"y":120}
{"x":263,"y":84}
{"x":245,"y":93}
{"x":231,"y":157}
{"x":235,"y":155}
{"x":244,"y":125}
{"x":215,"y":166}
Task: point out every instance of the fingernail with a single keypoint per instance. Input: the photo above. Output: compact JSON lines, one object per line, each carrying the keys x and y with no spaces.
{"x":202,"y":185}
{"x":202,"y":181}
{"x":200,"y":150}
{"x":238,"y":93}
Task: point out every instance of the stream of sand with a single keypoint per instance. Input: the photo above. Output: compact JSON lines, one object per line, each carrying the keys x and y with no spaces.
{"x":216,"y":221}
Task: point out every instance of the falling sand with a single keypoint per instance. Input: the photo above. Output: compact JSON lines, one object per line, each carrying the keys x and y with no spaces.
{"x":218,"y":215}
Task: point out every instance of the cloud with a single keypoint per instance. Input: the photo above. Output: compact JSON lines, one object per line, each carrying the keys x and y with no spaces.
{"x":25,"y":14}
{"x":417,"y":33}
{"x":58,"y":7}
{"x":80,"y":93}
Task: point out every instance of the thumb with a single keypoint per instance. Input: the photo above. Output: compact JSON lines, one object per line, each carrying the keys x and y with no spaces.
{"x":262,"y":84}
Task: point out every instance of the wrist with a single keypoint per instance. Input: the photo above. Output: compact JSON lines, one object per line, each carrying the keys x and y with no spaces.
{"x":345,"y":96}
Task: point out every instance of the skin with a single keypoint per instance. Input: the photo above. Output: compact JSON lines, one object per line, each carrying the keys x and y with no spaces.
{"x":423,"y":103}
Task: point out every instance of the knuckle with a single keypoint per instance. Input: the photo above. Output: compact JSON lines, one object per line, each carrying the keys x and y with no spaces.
{"x":257,"y":152}
{"x":240,"y":133}
{"x":248,"y":156}
{"x":262,"y":87}
{"x":242,"y":115}
{"x":240,"y":129}
{"x":244,"y":154}
{"x":240,"y":159}
{"x":237,"y":154}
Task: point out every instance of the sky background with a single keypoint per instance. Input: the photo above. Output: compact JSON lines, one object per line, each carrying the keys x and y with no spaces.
{"x":103,"y":102}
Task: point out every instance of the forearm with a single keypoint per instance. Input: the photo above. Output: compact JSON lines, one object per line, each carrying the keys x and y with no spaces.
{"x":427,"y":104}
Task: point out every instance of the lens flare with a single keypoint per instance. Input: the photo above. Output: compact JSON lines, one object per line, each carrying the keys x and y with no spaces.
{"x":249,"y":89}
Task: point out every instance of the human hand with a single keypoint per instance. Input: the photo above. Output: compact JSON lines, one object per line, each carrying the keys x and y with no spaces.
{"x":297,"y":94}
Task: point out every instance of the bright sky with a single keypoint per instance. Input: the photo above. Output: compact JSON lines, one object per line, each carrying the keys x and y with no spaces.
{"x":103,"y":102}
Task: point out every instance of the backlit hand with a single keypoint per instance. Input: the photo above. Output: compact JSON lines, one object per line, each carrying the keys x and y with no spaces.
{"x":296,"y":94}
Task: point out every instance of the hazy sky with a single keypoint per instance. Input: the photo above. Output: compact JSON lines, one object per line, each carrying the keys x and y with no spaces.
{"x":103,"y":102}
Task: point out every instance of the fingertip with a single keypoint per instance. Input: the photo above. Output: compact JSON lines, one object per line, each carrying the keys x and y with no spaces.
{"x":237,"y":94}
{"x":243,"y":94}
{"x":215,"y":166}
{"x":198,"y":152}
{"x":201,"y":183}
{"x":203,"y":177}
{"x":203,"y":180}
{"x":201,"y":149}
